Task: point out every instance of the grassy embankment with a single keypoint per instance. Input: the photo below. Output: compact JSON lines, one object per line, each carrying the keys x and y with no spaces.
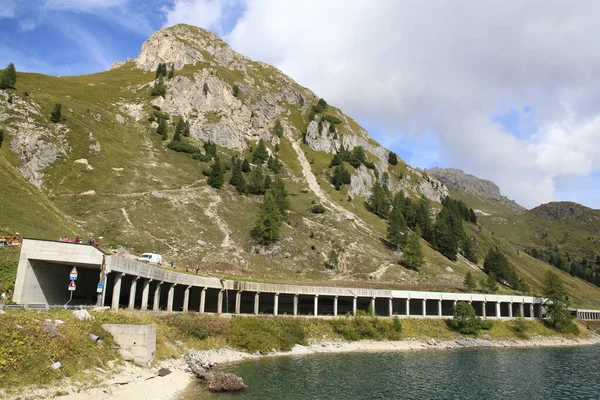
{"x":26,"y":352}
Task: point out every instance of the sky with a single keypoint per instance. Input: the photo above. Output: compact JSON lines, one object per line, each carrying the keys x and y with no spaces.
{"x":507,"y":91}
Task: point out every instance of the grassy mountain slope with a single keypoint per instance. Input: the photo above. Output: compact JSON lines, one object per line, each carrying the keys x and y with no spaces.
{"x":104,"y":171}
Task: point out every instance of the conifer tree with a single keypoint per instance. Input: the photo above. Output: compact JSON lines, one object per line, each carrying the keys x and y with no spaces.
{"x":278,"y":128}
{"x":171,"y":71}
{"x":216,"y":177}
{"x":186,"y":129}
{"x":235,"y":91}
{"x":392,"y":158}
{"x":396,"y":230}
{"x":341,"y":176}
{"x":378,"y":202}
{"x":491,"y":285}
{"x":280,"y":194}
{"x":1,"y":136}
{"x":162,"y":127}
{"x":256,"y":183}
{"x":268,"y":223}
{"x":245,"y":166}
{"x":472,"y":216}
{"x":268,"y":181}
{"x":176,"y":137}
{"x":469,"y":250}
{"x":159,"y":88}
{"x":8,"y":77}
{"x":242,"y":187}
{"x":336,"y":160}
{"x":413,"y":253}
{"x":260,"y":155}
{"x":236,"y":172}
{"x":357,"y":156}
{"x":444,"y":241}
{"x":55,"y":115}
{"x":165,"y":136}
{"x":470,"y":282}
{"x":423,"y":219}
{"x":180,"y":127}
{"x":557,"y":304}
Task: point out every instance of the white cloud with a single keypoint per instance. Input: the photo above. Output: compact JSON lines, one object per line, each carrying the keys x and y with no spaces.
{"x":444,"y":68}
{"x":8,"y":9}
{"x":27,"y":25}
{"x":209,"y":14}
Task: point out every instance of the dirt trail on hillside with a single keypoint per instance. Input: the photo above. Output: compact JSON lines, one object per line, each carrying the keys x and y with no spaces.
{"x":211,"y":212}
{"x":313,"y":185}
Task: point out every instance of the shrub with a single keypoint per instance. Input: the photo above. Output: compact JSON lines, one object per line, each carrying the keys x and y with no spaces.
{"x":332,"y":119}
{"x":263,"y":335}
{"x":183,"y":147}
{"x":317,"y":209}
{"x":55,"y":115}
{"x":465,"y":319}
{"x":236,"y":91}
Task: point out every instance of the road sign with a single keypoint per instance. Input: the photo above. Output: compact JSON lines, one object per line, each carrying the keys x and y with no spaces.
{"x":100,"y":287}
{"x":72,"y":285}
{"x":73,"y":274}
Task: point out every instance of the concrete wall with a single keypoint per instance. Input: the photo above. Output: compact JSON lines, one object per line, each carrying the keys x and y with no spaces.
{"x":137,"y":342}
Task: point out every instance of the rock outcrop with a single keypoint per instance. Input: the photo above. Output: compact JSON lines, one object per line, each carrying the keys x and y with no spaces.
{"x":565,"y":210}
{"x":459,"y":180}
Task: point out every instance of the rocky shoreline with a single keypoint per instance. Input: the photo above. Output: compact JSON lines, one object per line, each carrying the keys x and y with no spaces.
{"x":133,"y":382}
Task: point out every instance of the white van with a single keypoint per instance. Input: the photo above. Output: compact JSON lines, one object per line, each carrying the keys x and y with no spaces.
{"x":151,"y":258}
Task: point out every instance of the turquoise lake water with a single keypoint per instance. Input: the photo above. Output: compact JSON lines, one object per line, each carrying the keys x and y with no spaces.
{"x":549,"y":373}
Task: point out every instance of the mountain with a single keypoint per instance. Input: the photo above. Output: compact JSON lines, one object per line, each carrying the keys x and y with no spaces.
{"x":484,"y":189}
{"x":103,"y":170}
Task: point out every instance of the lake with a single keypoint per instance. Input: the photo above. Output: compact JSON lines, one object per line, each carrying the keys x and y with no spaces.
{"x":536,"y":373}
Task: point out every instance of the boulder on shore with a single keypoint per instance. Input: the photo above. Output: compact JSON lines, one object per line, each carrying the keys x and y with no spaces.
{"x":223,"y":382}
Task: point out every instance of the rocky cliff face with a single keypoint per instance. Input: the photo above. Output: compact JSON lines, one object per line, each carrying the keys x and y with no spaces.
{"x":485,"y":189}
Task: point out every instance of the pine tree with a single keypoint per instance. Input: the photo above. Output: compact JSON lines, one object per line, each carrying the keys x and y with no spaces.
{"x":55,"y":115}
{"x":392,"y":158}
{"x":245,"y":166}
{"x":378,"y":202}
{"x":180,"y":128}
{"x":216,"y":177}
{"x":336,"y":160}
{"x":159,"y":88}
{"x":472,"y":216}
{"x":1,"y":136}
{"x":177,"y":137}
{"x":280,"y":194}
{"x":423,"y":219}
{"x":236,"y":172}
{"x":162,"y":127}
{"x":357,"y":156}
{"x":278,"y":128}
{"x":165,"y":136}
{"x":341,"y":176}
{"x":268,"y":181}
{"x":186,"y":129}
{"x":235,"y":91}
{"x":171,"y":71}
{"x":444,"y":241}
{"x":557,"y":304}
{"x":396,"y":230}
{"x":491,"y":285}
{"x":260,"y":155}
{"x":470,"y":282}
{"x":413,"y":253}
{"x":8,"y":77}
{"x":256,"y":184}
{"x":210,"y":148}
{"x":469,"y":250}
{"x":268,"y":222}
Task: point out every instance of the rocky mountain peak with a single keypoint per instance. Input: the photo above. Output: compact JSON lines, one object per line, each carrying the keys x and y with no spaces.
{"x":457,"y":179}
{"x":184,"y":44}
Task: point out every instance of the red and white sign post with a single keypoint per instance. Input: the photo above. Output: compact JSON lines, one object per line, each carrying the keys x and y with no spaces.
{"x":72,"y":286}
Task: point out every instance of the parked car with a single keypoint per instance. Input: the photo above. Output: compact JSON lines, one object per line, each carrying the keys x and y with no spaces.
{"x":151,"y":258}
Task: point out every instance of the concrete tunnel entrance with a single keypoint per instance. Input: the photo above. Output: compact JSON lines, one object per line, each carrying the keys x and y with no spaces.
{"x":50,"y":281}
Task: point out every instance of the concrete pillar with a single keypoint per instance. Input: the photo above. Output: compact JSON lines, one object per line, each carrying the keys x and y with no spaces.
{"x":116,"y":291}
{"x":354,"y":306}
{"x":390,"y":306}
{"x":295,"y":304}
{"x":276,"y":304}
{"x":316,"y":304}
{"x":408,"y":307}
{"x":220,"y":302}
{"x":156,"y":305}
{"x":170,"y":296}
{"x":453,"y":306}
{"x":531,"y":310}
{"x":522,"y":310}
{"x":440,"y":308}
{"x":483,"y":310}
{"x":372,"y":306}
{"x":335,"y":306}
{"x":132,"y":290}
{"x":238,"y":302}
{"x":510,"y":313}
{"x":424,"y":307}
{"x":145,"y":294}
{"x":186,"y":299}
{"x":202,"y":300}
{"x":256,"y":302}
{"x":498,"y":310}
